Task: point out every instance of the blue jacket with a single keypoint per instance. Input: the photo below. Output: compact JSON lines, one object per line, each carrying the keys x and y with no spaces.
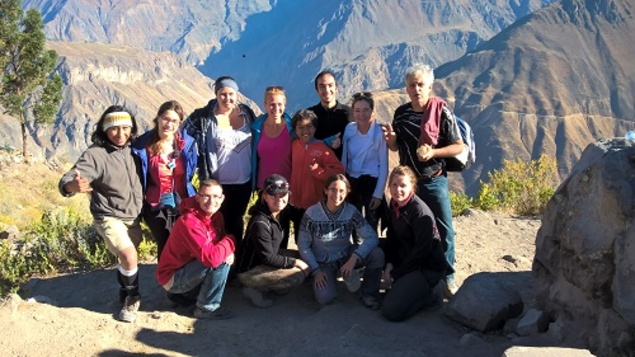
{"x":256,"y":133}
{"x":189,"y":155}
{"x":202,"y":125}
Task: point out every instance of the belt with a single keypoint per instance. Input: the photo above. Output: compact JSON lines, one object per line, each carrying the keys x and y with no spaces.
{"x":428,"y":178}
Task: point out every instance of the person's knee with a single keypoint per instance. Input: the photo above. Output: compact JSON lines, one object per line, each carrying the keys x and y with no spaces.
{"x":392,"y":312}
{"x":325,"y":296}
{"x":376,"y":258}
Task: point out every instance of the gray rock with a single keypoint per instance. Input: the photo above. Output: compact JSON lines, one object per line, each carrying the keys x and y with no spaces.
{"x":585,"y":248}
{"x":484,"y":303}
{"x":534,"y":321}
{"x":10,"y":232}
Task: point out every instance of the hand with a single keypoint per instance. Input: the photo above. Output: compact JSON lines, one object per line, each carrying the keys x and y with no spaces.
{"x":425,"y":152}
{"x":230,"y":259}
{"x":386,"y":275}
{"x":313,"y":165}
{"x":319,"y":280}
{"x":348,"y":267}
{"x":78,"y":185}
{"x":337,"y":142}
{"x":389,"y":134}
{"x":304,"y":267}
{"x":374,"y":203}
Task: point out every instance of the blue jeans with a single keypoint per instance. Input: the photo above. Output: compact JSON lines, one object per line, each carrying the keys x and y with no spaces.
{"x":212,"y":283}
{"x":434,"y":192}
{"x":374,"y":264}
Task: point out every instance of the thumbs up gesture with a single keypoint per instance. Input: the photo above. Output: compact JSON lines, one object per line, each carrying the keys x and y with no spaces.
{"x":79,"y":184}
{"x":337,"y":142}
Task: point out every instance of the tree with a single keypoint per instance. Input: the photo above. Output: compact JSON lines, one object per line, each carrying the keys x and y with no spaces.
{"x":30,"y":91}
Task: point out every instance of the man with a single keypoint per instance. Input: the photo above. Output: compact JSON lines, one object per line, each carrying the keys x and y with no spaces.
{"x":332,"y":115}
{"x":424,"y":151}
{"x":198,"y":254}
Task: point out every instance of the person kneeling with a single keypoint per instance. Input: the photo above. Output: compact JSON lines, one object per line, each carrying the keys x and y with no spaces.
{"x":263,"y":266}
{"x":198,"y":253}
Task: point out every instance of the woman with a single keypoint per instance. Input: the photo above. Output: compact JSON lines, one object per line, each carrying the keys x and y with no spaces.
{"x":365,"y":157}
{"x":414,"y":254}
{"x":168,"y":162}
{"x":325,"y":245}
{"x":272,"y":136}
{"x":109,"y":172}
{"x":223,"y":132}
{"x":263,"y":266}
{"x":312,"y":161}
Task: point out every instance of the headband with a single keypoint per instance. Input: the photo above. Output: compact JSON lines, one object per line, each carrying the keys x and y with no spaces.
{"x":227,"y":82}
{"x":117,"y":119}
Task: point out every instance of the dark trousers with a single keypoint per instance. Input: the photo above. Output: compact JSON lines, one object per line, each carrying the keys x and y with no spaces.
{"x":409,"y":294}
{"x":234,"y":207}
{"x":160,"y":222}
{"x":362,"y":189}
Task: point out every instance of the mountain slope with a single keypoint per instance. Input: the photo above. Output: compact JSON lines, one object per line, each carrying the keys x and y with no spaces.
{"x":529,"y":92}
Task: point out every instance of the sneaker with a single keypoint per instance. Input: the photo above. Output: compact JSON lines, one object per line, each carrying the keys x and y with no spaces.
{"x":370,"y":302}
{"x":353,"y":282}
{"x":218,"y":314}
{"x":130,"y":307}
{"x":449,"y":289}
{"x":257,"y":298}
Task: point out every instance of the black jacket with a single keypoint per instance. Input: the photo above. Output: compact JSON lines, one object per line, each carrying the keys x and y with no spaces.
{"x":263,"y":237}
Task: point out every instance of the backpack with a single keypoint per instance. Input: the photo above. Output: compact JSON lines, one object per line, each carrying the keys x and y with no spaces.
{"x":467,"y":157}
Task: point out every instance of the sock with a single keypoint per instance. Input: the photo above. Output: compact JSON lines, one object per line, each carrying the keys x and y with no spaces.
{"x":129,"y":280}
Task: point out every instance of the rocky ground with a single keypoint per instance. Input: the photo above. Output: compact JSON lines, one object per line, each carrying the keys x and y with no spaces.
{"x":75,"y":313}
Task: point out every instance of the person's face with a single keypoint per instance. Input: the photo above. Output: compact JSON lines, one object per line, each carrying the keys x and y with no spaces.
{"x":226,"y":98}
{"x":119,"y":135}
{"x":210,"y":198}
{"x":168,"y":123}
{"x":305,"y":130}
{"x":418,"y":90}
{"x":400,"y":188}
{"x":277,"y":202}
{"x":275,"y":105}
{"x":327,"y":89}
{"x":362,"y":112}
{"x":336,"y":193}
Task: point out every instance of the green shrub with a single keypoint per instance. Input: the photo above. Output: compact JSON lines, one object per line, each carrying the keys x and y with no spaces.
{"x":520,"y":187}
{"x":460,"y":202}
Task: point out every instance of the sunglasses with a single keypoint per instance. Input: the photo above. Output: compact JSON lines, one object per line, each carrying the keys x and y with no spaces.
{"x":272,"y":88}
{"x":277,"y":186}
{"x":362,"y":95}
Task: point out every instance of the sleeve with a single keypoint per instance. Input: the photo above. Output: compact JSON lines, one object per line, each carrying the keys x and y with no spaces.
{"x":383,"y":166}
{"x":389,"y":246}
{"x":366,"y":236}
{"x":305,"y":241}
{"x":204,"y":246}
{"x":88,"y":168}
{"x":345,"y":138}
{"x":423,"y":230}
{"x":328,"y":165}
{"x":261,"y":236}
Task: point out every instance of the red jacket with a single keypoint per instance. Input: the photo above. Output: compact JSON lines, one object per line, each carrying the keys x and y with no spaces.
{"x":307,"y":186}
{"x":194,"y":236}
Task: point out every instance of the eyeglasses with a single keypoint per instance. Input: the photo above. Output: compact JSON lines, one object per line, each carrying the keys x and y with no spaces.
{"x":168,"y":120}
{"x":206,"y":198}
{"x":362,"y":95}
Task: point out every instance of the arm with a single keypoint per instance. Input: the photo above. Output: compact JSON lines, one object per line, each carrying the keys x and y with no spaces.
{"x":383,"y":170}
{"x":390,"y":136}
{"x":305,"y":241}
{"x":261,"y":235}
{"x":327,"y":165}
{"x":203,"y":244}
{"x":79,"y":178}
{"x":423,"y":230}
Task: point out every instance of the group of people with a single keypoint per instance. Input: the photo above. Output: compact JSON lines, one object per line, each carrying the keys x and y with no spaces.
{"x":317,"y":169}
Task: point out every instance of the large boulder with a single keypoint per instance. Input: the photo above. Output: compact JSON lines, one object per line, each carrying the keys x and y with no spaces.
{"x":584,"y":268}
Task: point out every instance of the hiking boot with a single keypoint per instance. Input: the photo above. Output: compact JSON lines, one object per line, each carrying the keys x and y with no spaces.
{"x":257,"y":298}
{"x":218,"y":314}
{"x":130,"y":307}
{"x":181,"y":300}
{"x":449,"y":289}
{"x":353,"y":282}
{"x":370,"y":302}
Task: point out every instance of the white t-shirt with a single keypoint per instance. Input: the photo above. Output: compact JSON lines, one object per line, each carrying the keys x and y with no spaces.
{"x":233,"y":148}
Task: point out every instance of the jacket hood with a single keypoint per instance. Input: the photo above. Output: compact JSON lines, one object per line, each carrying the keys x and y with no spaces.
{"x":259,"y":208}
{"x":189,"y":204}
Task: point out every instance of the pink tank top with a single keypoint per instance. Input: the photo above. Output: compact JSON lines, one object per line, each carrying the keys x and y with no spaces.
{"x":274,"y":156}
